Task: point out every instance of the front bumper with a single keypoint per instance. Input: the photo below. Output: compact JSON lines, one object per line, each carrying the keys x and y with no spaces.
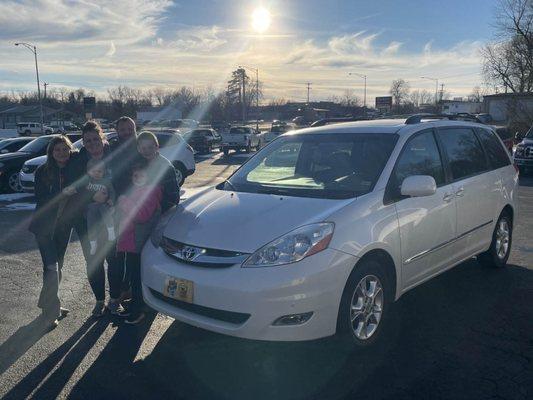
{"x":252,"y":298}
{"x":27,"y":181}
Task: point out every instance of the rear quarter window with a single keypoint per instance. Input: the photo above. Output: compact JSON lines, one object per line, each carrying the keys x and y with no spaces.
{"x":463,"y":149}
{"x":496,"y":153}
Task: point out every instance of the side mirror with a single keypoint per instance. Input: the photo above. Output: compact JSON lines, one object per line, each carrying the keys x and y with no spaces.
{"x":418,"y":186}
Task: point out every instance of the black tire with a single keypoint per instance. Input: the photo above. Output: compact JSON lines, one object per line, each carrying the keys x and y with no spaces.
{"x":371,"y":267}
{"x":9,"y":187}
{"x":491,"y":258}
{"x":249,"y":148}
{"x":181,"y":173}
{"x":226,"y":151}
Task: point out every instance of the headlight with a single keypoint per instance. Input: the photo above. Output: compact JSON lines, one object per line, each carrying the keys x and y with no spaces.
{"x":293,"y":247}
{"x":157,"y":233}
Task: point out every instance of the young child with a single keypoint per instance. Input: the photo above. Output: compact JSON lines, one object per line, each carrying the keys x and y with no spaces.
{"x":140,"y":209}
{"x":99,"y":214}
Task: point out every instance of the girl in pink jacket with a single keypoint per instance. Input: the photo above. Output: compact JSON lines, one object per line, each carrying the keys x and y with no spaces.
{"x":139,"y":213}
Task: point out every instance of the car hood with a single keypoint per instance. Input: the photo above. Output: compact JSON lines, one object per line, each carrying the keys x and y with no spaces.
{"x":37,"y":160}
{"x":14,"y":156}
{"x":244,"y":222}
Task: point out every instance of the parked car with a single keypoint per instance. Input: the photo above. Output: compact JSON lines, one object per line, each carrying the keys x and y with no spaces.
{"x":523,"y":156}
{"x":11,"y":163}
{"x":11,"y":145}
{"x":240,"y":138}
{"x":33,"y":128}
{"x":172,"y":146}
{"x":203,"y":140}
{"x":277,"y":129}
{"x":320,"y":231}
{"x":484,"y":117}
{"x":63,"y":126}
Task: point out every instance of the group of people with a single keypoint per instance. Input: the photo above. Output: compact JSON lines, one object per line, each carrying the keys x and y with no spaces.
{"x":112,"y":195}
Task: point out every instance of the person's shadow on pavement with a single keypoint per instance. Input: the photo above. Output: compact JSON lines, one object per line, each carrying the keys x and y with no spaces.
{"x":20,"y":342}
{"x":116,"y":361}
{"x":68,"y":355}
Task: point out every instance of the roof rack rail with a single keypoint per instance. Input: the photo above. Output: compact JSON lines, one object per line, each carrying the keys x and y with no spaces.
{"x":326,"y":121}
{"x":417,"y":118}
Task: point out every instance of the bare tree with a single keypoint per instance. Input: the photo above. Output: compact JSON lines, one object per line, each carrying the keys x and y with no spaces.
{"x":508,"y":62}
{"x":349,"y":99}
{"x":399,"y":91}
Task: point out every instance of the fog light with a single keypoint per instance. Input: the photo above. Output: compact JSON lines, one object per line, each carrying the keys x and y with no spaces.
{"x":293,"y":319}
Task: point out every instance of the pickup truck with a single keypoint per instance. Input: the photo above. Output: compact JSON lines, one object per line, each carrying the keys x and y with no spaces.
{"x":240,"y":138}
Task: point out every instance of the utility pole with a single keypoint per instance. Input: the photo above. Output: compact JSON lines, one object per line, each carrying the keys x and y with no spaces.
{"x":441,"y":91}
{"x":45,"y":85}
{"x":33,"y":49}
{"x":308,"y":90}
{"x":243,"y":74}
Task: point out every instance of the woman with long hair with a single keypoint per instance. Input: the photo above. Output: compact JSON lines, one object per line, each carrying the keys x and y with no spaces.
{"x":49,"y":227}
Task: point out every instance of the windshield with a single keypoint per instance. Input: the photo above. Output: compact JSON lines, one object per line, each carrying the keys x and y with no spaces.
{"x":239,"y":131}
{"x":326,"y":166}
{"x":38,"y":145}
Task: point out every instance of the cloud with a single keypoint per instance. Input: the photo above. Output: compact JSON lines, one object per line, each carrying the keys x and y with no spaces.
{"x":112,"y":50}
{"x":351,"y":44}
{"x":58,"y":21}
{"x":391,"y":49}
{"x":198,"y":38}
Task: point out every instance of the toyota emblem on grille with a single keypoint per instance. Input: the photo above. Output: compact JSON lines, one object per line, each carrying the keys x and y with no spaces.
{"x":189,"y":253}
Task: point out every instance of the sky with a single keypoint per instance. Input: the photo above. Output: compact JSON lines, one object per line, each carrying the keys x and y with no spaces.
{"x":100,"y":44}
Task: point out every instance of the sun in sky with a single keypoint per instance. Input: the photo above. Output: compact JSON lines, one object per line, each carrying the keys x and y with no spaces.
{"x":261,"y":19}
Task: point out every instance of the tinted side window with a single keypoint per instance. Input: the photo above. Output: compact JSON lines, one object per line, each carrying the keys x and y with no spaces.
{"x":420,"y":156}
{"x":464,"y":152}
{"x":497,"y":154}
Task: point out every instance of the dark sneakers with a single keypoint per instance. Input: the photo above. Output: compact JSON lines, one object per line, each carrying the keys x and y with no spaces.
{"x":98,"y":309}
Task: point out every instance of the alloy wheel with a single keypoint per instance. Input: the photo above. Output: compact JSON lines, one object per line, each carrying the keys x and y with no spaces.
{"x":14,"y":182}
{"x":502,"y":238}
{"x":366,"y":307}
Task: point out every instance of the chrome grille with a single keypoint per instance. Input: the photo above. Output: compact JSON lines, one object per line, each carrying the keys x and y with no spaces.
{"x":201,"y":256}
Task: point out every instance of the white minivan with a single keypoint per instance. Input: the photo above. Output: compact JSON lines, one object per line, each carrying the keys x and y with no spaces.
{"x":324,"y":228}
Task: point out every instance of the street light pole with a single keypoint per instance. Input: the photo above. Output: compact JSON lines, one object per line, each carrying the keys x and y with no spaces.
{"x":33,"y":49}
{"x":364,"y":77}
{"x":436,"y":89}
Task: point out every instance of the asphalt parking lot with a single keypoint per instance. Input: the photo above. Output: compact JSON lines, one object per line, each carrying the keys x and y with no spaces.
{"x":467,"y":334}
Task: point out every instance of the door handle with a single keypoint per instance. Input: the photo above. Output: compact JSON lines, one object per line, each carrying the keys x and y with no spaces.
{"x":460,"y":192}
{"x":448,"y":197}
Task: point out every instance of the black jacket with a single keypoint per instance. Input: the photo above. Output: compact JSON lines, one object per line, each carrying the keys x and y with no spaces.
{"x":121,"y":158}
{"x":163,"y":173}
{"x":51,"y":210}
